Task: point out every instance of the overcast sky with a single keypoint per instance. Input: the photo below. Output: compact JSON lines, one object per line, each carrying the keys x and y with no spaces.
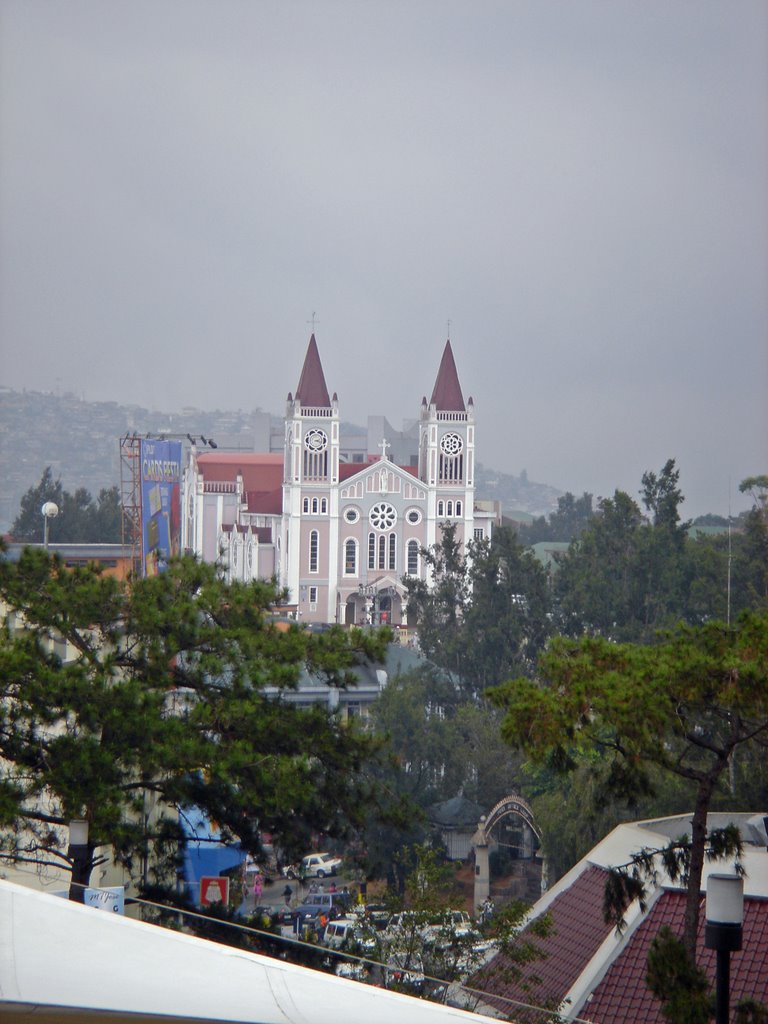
{"x":578,"y":187}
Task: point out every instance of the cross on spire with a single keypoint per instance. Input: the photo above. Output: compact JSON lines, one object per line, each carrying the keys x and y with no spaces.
{"x":313,"y":321}
{"x":384,"y":445}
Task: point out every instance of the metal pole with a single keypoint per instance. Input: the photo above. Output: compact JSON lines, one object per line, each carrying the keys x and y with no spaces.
{"x":722,"y":986}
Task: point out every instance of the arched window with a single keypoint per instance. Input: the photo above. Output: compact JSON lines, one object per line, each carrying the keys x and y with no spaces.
{"x":314,"y":506}
{"x":392,"y":552}
{"x":458,"y":509}
{"x":324,"y":506}
{"x":350,"y":557}
{"x":305,"y":506}
{"x":371,"y":550}
{"x":382,"y":552}
{"x":314,"y":551}
{"x":413,"y":558}
{"x":449,"y":509}
{"x":441,"y":508}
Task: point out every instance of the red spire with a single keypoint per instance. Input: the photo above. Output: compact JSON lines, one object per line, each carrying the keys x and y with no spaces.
{"x":446,"y":394}
{"x":312,"y":390}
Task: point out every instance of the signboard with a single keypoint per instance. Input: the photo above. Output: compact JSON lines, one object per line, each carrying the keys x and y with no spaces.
{"x":160,"y":503}
{"x":214,"y":889}
{"x":112,"y":899}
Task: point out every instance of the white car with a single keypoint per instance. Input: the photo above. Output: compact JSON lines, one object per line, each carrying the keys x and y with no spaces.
{"x":314,"y":865}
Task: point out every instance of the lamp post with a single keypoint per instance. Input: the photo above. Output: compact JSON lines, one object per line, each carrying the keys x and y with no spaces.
{"x":723,"y":933}
{"x":50,"y":510}
{"x":80,"y":856}
{"x":368,"y":591}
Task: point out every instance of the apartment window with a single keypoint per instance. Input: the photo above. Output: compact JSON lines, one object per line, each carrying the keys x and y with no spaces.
{"x":479,"y":533}
{"x":314,"y":550}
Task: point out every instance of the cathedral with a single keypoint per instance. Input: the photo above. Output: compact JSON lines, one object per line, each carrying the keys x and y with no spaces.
{"x":339,"y":525}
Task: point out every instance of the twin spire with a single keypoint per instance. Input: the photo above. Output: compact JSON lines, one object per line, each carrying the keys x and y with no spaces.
{"x":312,"y":389}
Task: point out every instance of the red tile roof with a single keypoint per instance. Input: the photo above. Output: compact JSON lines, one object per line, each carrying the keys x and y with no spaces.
{"x":446,"y":394}
{"x":623,"y":994}
{"x":578,"y":930}
{"x":312,"y":390}
{"x":262,"y":471}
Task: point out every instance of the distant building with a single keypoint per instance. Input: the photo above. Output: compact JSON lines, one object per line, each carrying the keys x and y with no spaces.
{"x":339,"y":520}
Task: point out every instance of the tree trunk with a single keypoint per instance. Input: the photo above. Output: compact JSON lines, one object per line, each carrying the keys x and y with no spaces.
{"x":698,"y":847}
{"x":82,"y":866}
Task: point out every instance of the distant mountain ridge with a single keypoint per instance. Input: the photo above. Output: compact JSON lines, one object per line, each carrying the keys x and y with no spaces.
{"x":79,"y":440}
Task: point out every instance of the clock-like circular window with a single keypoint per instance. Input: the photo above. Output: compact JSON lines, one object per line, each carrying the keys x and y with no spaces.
{"x":382,"y":516}
{"x":413,"y":515}
{"x":351,"y":515}
{"x":316,"y":440}
{"x":451,"y":444}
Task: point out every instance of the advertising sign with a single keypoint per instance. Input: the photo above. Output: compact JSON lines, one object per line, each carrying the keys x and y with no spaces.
{"x":160,"y":504}
{"x":214,"y":889}
{"x":111,"y":899}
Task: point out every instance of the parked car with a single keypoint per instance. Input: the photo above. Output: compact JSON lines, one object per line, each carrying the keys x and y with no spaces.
{"x":404,"y":971}
{"x":346,"y":933}
{"x":331,"y":904}
{"x":314,"y":865}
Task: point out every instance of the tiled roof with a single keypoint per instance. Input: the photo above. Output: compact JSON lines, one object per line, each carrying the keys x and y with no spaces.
{"x":578,"y":930}
{"x":623,"y":994}
{"x":446,"y":394}
{"x":266,"y":502}
{"x":262,"y":471}
{"x":312,"y":390}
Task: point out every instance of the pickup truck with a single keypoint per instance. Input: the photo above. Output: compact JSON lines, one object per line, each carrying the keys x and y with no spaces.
{"x":314,"y":865}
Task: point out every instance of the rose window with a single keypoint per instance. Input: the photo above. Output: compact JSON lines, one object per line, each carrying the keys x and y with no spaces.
{"x":383,"y":516}
{"x":451,"y":444}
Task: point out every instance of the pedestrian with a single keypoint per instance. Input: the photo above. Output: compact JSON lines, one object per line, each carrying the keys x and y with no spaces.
{"x":287,"y":893}
{"x":258,"y":887}
{"x":332,"y":887}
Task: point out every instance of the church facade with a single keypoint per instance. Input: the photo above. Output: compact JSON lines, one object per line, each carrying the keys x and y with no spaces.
{"x":338,"y":532}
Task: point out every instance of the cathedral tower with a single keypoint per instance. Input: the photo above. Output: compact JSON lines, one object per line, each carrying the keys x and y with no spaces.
{"x":309,"y":538}
{"x":447,"y":453}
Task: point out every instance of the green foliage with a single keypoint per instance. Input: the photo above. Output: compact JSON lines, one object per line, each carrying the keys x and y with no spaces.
{"x":168,"y":694}
{"x":682,"y":988}
{"x":564,"y":524}
{"x":681,"y":707}
{"x":80,"y":520}
{"x":485,"y":615}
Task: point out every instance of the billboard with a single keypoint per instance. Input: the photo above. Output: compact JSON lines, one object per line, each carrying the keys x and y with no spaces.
{"x":160,"y":504}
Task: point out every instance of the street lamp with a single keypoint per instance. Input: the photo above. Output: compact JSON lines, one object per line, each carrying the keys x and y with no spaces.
{"x":368,"y":591}
{"x":80,"y":856}
{"x":50,"y":510}
{"x":723,"y":932}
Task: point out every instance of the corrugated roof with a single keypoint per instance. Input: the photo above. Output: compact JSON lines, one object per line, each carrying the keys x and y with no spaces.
{"x":446,"y":394}
{"x":623,"y":993}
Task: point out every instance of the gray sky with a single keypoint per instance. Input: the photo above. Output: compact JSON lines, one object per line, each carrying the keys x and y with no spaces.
{"x":580,"y":188}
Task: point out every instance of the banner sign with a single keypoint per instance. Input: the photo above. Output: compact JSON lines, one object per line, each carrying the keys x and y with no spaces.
{"x":214,"y":889}
{"x":160,"y":503}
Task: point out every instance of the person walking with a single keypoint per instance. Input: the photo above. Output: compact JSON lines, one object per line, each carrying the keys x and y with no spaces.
{"x":258,"y":888}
